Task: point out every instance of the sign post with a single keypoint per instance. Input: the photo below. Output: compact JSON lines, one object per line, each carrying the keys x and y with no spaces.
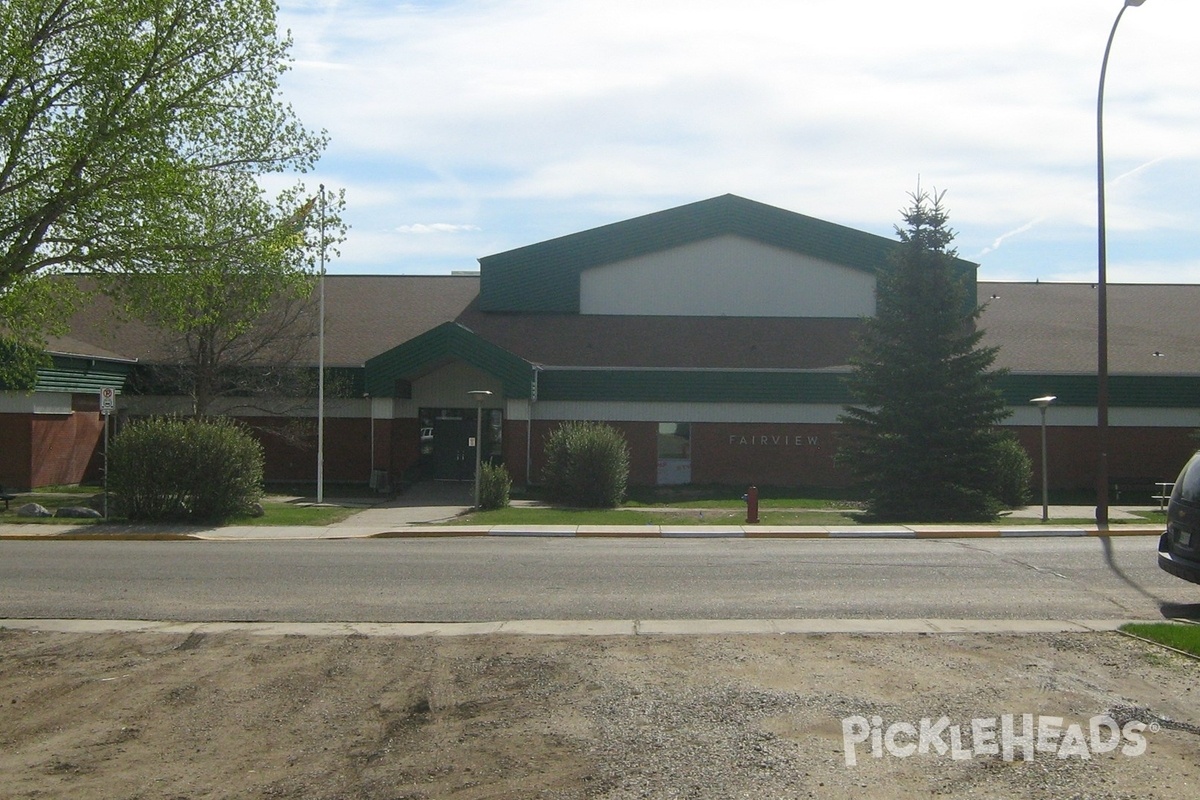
{"x":108,"y":404}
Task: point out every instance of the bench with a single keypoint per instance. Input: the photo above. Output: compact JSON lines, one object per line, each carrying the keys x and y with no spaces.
{"x":1133,"y":491}
{"x":1164,"y":493}
{"x":6,"y":497}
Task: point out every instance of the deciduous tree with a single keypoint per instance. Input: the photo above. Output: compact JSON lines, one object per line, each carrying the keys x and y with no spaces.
{"x":236,"y":310}
{"x":112,"y":112}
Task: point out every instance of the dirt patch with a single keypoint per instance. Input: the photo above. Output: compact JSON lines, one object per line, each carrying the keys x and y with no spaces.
{"x":234,"y":715}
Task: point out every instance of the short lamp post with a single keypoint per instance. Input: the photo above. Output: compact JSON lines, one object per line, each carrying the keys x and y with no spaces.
{"x":480,"y":395}
{"x":1043,"y":403}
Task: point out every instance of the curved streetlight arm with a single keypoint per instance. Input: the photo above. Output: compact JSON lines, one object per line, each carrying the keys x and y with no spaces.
{"x":1102,"y":291}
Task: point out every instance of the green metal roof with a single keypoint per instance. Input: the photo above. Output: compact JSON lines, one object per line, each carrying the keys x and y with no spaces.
{"x":544,"y":277}
{"x":1124,"y":391}
{"x":700,"y":386}
{"x":85,"y":375}
{"x":454,"y":342}
{"x":705,"y":386}
{"x":447,"y":342}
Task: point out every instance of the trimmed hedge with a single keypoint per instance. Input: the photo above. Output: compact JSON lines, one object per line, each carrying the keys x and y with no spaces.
{"x":495,"y":486}
{"x":1013,"y":470}
{"x":173,"y":469}
{"x":587,"y":465}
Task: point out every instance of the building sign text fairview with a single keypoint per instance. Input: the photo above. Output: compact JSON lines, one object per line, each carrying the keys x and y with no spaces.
{"x":775,"y":441}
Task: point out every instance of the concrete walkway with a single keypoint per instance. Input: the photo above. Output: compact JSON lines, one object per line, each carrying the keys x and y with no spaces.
{"x":423,"y":509}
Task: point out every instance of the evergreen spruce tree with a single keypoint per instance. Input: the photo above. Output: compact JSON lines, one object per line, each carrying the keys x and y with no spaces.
{"x":921,"y":439}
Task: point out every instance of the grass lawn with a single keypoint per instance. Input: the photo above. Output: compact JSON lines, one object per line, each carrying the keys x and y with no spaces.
{"x":706,"y":497}
{"x":291,"y":512}
{"x":276,"y":510}
{"x":52,"y":498}
{"x":722,"y":505}
{"x":684,"y":505}
{"x":1173,"y":634}
{"x":717,"y":515}
{"x":643,"y":516}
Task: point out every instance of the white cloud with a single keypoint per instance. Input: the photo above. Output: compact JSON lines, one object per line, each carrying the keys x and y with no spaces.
{"x":436,"y":227}
{"x":526,"y":117}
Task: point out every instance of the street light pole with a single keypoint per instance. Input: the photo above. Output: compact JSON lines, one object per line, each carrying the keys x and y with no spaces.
{"x":479,"y":395}
{"x":1043,"y":403}
{"x":321,"y":361}
{"x":1102,"y":293}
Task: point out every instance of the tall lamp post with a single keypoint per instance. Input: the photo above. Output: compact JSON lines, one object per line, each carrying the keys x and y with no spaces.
{"x":1102,"y":293}
{"x":480,"y":395}
{"x":1043,"y":403}
{"x":321,"y":362}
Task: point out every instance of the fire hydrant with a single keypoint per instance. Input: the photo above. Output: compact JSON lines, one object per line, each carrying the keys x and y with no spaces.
{"x":751,"y":498}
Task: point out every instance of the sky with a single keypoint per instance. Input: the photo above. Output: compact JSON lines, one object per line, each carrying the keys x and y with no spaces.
{"x":461,"y":129}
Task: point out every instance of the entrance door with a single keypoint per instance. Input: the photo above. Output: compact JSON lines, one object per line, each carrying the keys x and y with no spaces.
{"x":453,"y":456}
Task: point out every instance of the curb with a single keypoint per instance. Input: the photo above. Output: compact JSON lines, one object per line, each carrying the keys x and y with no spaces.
{"x":581,"y":627}
{"x":54,"y":533}
{"x":734,"y":532}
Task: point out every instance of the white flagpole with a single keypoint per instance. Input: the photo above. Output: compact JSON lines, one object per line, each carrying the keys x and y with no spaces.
{"x":321,"y":365}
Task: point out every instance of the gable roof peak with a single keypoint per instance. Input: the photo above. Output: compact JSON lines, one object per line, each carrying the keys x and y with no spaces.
{"x":545,"y":277}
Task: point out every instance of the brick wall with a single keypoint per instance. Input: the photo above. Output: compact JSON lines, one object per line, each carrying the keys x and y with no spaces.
{"x":290,"y":448}
{"x":46,"y":449}
{"x":765,"y":455}
{"x":405,"y":450}
{"x":16,"y":451}
{"x":642,"y":438}
{"x":67,"y":448}
{"x":514,"y":449}
{"x":1135,"y":455}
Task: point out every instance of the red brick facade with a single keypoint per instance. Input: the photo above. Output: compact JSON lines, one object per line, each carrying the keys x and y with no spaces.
{"x":16,"y":447}
{"x":765,"y":454}
{"x":290,"y":447}
{"x":52,"y":449}
{"x":779,"y":454}
{"x":1136,"y":456}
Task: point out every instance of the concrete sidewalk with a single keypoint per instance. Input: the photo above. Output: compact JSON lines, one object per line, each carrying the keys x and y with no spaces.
{"x":357,"y":528}
{"x":424,"y":509}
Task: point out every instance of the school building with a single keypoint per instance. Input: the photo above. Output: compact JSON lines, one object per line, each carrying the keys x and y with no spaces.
{"x":716,"y":336}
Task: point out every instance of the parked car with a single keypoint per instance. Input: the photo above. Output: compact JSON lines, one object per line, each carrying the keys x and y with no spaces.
{"x":1179,"y":546}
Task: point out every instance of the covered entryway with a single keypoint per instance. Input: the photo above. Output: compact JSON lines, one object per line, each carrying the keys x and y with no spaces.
{"x":453,"y":448}
{"x":434,"y":380}
{"x":449,"y":451}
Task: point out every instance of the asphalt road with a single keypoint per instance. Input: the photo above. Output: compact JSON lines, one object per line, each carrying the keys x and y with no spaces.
{"x":485,"y":579}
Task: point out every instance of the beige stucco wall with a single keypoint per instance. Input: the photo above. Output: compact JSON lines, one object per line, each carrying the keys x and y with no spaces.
{"x":727,"y":276}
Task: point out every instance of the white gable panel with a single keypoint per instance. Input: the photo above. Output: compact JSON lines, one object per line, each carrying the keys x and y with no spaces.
{"x":448,"y":387}
{"x":727,"y":276}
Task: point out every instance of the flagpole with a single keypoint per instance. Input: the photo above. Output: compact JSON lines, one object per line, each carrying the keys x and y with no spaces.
{"x":321,"y":364}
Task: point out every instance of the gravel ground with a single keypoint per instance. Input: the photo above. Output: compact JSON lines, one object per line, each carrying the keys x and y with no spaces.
{"x":240,"y":716}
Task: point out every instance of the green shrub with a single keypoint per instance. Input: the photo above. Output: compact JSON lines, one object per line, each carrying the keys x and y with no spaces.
{"x":494,"y":486}
{"x":185,"y":469}
{"x":587,"y":465}
{"x":1013,"y":472}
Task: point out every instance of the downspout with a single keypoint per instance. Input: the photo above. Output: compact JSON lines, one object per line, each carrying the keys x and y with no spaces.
{"x":533,"y":394}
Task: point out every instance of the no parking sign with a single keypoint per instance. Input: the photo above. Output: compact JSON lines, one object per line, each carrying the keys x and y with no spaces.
{"x":108,"y":400}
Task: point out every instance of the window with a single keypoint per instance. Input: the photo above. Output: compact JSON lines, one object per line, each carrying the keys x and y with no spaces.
{"x":674,"y":440}
{"x":674,"y":453}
